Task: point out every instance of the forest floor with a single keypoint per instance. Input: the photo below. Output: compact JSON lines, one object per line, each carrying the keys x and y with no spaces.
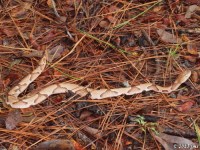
{"x":101,"y":44}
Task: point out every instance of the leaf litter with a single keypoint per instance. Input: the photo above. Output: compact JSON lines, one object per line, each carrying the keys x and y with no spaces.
{"x":101,"y":44}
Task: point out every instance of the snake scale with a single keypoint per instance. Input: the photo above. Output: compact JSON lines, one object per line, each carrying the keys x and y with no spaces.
{"x":34,"y":98}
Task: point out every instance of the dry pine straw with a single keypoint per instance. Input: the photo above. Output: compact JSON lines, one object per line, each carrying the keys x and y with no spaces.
{"x":95,"y":62}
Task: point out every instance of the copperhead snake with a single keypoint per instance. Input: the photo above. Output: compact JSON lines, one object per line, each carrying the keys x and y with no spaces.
{"x":34,"y":98}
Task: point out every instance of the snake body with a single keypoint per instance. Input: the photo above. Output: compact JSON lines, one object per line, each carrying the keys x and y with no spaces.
{"x":34,"y":98}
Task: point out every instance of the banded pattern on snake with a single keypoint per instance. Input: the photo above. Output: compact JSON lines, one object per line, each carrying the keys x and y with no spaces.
{"x":34,"y":98}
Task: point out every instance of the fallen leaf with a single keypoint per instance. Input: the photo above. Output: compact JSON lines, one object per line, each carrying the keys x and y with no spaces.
{"x":55,"y":52}
{"x":21,"y":11}
{"x":58,"y":144}
{"x":111,"y":19}
{"x":191,"y":9}
{"x":77,"y":145}
{"x":192,"y":49}
{"x":157,"y":8}
{"x":168,"y":37}
{"x":185,"y":38}
{"x":13,"y":119}
{"x":167,"y":146}
{"x":195,"y":77}
{"x":197,"y":132}
{"x":85,"y":114}
{"x":186,"y":106}
{"x":170,"y":142}
{"x":104,"y":24}
{"x":94,"y":132}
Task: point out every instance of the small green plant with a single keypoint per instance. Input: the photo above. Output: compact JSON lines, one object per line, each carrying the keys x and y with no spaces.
{"x":146,"y":125}
{"x":140,"y":120}
{"x":173,"y":51}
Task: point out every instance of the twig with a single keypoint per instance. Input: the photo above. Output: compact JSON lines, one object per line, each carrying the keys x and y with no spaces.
{"x":54,"y":8}
{"x":148,"y":38}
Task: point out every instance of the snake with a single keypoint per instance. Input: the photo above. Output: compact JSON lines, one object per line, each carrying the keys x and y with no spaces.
{"x":30,"y":99}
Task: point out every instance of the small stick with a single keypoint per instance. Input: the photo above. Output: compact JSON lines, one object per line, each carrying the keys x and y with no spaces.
{"x":148,"y":38}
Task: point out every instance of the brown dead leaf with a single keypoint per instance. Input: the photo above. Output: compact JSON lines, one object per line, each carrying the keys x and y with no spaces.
{"x":191,"y":9}
{"x":13,"y":119}
{"x":85,"y":114}
{"x":185,"y":38}
{"x":186,"y":106}
{"x":94,"y":132}
{"x":58,"y":144}
{"x":104,"y":24}
{"x":111,"y":19}
{"x":157,"y":8}
{"x":192,"y":49}
{"x":170,"y":142}
{"x":168,"y":37}
{"x":55,"y":52}
{"x":195,"y":77}
{"x":77,"y":145}
{"x":21,"y":10}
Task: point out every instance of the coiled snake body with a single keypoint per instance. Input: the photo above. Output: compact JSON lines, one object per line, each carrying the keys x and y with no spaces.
{"x":32,"y":99}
